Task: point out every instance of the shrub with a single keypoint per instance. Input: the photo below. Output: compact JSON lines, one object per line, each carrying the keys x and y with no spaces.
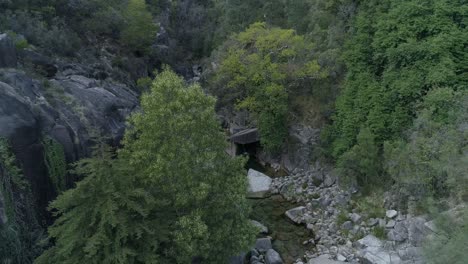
{"x":56,"y":164}
{"x":361,"y":164}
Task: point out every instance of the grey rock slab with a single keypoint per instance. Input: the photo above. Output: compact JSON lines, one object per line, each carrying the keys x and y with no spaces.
{"x":356,"y":218}
{"x":273,"y":257}
{"x":296,"y":214}
{"x":399,"y":233}
{"x":340,"y":257}
{"x":411,"y":253}
{"x":417,"y":230}
{"x":390,"y":224}
{"x":379,"y":257}
{"x":259,"y":184}
{"x":348,"y":225}
{"x":369,"y":241}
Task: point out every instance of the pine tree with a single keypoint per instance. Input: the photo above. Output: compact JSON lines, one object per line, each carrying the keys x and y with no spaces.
{"x":176,"y":147}
{"x":171,"y":194}
{"x":105,"y":219}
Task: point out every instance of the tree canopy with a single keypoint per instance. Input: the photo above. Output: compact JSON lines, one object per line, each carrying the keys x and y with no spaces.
{"x":258,"y":69}
{"x":170,"y":194}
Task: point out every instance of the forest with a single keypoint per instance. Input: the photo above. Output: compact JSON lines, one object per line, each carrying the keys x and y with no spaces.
{"x":115,"y":120}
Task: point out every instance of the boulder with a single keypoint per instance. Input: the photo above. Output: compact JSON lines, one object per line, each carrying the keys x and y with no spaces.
{"x":369,"y":241}
{"x":348,"y":225}
{"x":273,"y":257}
{"x":259,"y":184}
{"x":417,"y":230}
{"x":411,"y":253}
{"x":356,"y":218}
{"x":390,"y":224}
{"x":8,"y":57}
{"x":391,"y":213}
{"x":399,"y":233}
{"x":263,"y":244}
{"x":296,"y":214}
{"x":262,"y":229}
{"x":377,"y":257}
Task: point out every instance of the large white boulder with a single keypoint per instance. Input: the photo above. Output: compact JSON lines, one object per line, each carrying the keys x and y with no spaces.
{"x":259,"y":184}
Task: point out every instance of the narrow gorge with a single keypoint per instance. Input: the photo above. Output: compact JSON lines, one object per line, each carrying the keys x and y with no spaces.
{"x":236,"y":131}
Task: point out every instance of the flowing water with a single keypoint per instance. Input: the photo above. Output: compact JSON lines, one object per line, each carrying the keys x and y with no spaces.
{"x":287,"y":237}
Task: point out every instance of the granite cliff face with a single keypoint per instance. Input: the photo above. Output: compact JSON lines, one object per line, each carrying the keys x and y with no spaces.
{"x":69,"y":102}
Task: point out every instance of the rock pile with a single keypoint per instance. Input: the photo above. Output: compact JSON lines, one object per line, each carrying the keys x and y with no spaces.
{"x":342,"y":236}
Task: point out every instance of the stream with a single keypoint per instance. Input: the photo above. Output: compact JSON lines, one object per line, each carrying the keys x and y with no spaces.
{"x":287,"y":237}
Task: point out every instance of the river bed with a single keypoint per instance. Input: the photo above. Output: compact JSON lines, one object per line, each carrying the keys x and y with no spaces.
{"x":287,"y":237}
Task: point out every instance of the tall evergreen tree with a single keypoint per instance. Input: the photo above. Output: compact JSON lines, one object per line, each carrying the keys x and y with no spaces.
{"x":176,"y":147}
{"x":171,"y":194}
{"x":140,"y":31}
{"x":105,"y":219}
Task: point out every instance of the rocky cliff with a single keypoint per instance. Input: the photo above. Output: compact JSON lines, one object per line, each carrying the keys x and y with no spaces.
{"x":70,"y":101}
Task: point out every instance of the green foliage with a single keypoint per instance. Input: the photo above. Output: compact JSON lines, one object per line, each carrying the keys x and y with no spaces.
{"x":56,"y":37}
{"x":361,"y":164}
{"x":139,"y":31}
{"x":144,"y":84}
{"x":258,"y":70}
{"x":398,"y":52}
{"x":170,"y":194}
{"x":342,"y":217}
{"x":379,"y":232}
{"x":432,"y":161}
{"x":56,"y":164}
{"x":117,"y":228}
{"x":450,"y":243}
{"x":21,"y":44}
{"x":177,"y":148}
{"x":371,"y":205}
{"x":19,"y":237}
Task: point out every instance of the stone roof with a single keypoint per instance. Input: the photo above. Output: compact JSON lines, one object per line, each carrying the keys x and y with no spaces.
{"x":246,"y":136}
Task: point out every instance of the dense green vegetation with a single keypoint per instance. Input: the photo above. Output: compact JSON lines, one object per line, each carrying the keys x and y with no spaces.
{"x":20,"y":236}
{"x":61,"y":25}
{"x":258,"y":69}
{"x":169,"y":195}
{"x":139,"y":29}
{"x":56,"y":163}
{"x":399,"y":51}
